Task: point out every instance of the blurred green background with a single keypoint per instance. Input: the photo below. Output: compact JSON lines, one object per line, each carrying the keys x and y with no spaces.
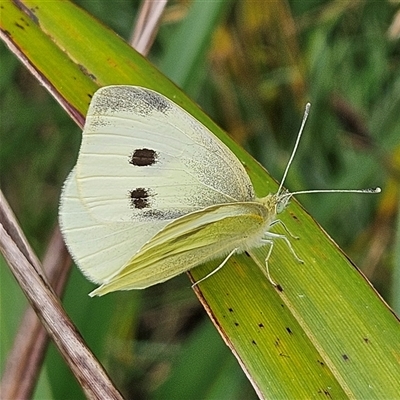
{"x":264,"y":61}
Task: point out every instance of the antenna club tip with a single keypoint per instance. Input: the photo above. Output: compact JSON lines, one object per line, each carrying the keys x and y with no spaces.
{"x":376,"y":190}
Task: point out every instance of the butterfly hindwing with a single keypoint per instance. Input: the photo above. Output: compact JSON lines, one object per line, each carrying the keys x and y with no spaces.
{"x":190,"y":241}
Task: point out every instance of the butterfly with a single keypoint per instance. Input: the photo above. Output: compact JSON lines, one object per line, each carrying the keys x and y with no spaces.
{"x":154,"y":193}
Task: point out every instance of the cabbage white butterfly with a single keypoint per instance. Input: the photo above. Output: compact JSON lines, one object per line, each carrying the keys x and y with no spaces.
{"x":154,"y":193}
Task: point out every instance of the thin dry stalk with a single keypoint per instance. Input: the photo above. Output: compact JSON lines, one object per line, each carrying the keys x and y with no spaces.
{"x":147,"y":25}
{"x":88,"y":371}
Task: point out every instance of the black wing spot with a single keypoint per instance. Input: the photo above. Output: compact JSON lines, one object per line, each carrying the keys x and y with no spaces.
{"x":139,"y":198}
{"x":143,"y":157}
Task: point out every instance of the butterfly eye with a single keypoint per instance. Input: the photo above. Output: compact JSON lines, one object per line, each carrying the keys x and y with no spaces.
{"x":282,"y":204}
{"x":280,"y":207}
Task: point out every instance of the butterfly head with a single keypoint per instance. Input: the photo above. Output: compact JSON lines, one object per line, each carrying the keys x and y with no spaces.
{"x":276,"y":203}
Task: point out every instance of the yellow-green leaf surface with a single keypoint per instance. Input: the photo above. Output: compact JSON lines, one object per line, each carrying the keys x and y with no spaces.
{"x":324,"y":331}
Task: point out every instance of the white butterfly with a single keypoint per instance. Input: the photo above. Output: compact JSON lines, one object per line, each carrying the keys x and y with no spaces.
{"x":154,"y":193}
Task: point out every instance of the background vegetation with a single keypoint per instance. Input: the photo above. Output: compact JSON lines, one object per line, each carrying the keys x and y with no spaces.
{"x":265,"y":60}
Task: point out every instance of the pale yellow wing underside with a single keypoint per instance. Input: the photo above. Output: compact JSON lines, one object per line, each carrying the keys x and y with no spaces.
{"x":190,"y":241}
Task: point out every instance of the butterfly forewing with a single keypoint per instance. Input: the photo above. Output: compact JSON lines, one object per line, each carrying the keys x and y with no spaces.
{"x":99,"y":248}
{"x":143,"y":158}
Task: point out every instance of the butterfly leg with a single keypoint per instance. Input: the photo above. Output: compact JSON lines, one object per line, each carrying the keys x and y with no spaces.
{"x":279,"y":222}
{"x":265,"y":268}
{"x":216,"y":269}
{"x":269,"y":239}
{"x":269,"y":236}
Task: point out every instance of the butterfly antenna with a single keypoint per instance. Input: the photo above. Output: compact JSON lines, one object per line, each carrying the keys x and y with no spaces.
{"x":369,"y":190}
{"x":303,"y":122}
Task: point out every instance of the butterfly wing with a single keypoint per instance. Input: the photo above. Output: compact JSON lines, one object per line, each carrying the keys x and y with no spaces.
{"x":143,"y":162}
{"x":144,"y":158}
{"x":99,"y":248}
{"x":190,"y":241}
